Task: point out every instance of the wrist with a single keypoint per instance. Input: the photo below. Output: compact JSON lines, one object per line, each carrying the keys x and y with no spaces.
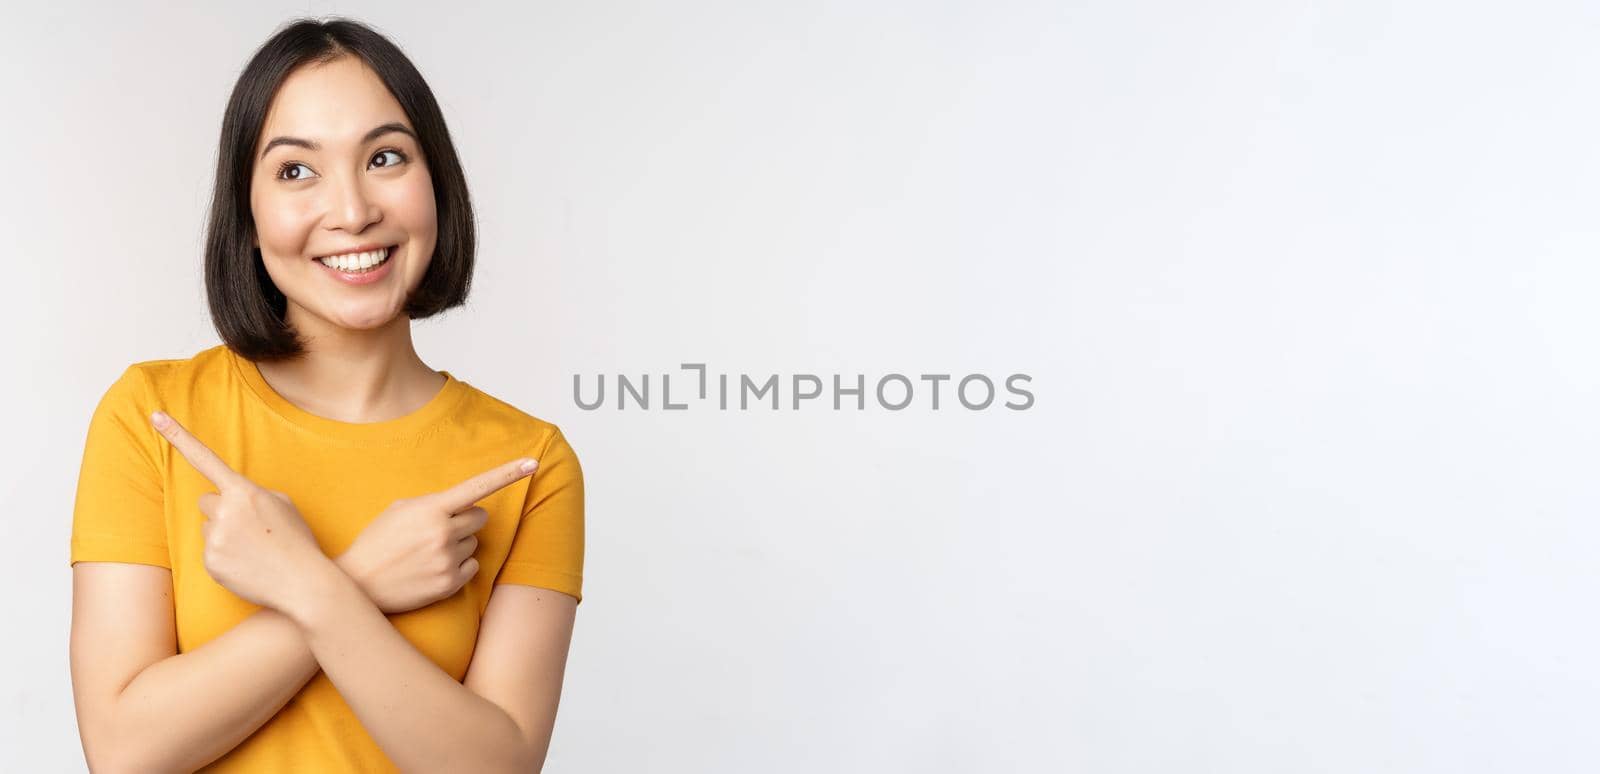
{"x":357,"y":571}
{"x":347,"y":563}
{"x":319,"y":589}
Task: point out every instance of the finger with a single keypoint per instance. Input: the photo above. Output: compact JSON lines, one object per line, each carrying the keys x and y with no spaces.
{"x":468,"y":521}
{"x":463,"y":495}
{"x":468,"y":569}
{"x":208,"y":504}
{"x":198,"y":454}
{"x":466,"y":547}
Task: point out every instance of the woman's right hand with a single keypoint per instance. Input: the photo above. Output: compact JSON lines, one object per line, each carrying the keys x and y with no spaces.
{"x":419,"y":549}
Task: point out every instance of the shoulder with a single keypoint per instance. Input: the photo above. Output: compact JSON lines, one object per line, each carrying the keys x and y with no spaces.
{"x":559,"y":478}
{"x":154,"y":380}
{"x":121,"y":418}
{"x":168,"y":384}
{"x":488,"y":413}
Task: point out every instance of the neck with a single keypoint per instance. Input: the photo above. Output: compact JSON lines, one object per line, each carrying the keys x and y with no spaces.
{"x":354,"y":375}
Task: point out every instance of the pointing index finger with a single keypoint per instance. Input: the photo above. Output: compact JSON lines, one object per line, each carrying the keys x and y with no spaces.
{"x":198,"y":454}
{"x":467,"y":493}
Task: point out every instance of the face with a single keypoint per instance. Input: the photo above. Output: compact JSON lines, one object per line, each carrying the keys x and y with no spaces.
{"x":338,"y":171}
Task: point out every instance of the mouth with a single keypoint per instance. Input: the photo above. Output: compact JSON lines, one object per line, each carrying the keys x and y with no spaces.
{"x":365,"y":266}
{"x":358,"y":262}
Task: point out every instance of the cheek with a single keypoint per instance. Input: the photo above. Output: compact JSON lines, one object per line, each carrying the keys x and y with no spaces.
{"x":414,"y":208}
{"x":283,"y":224}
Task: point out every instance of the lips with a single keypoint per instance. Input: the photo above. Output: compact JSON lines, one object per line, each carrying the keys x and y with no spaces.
{"x":364,"y":248}
{"x":357,"y":261}
{"x":362,"y":268}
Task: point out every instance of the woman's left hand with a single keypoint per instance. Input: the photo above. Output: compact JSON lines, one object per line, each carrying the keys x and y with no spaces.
{"x":257,"y":545}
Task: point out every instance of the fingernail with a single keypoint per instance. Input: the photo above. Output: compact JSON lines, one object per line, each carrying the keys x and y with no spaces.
{"x":160,"y":420}
{"x":529,"y":465}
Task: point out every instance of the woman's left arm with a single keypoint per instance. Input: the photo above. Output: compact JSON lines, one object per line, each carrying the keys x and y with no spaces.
{"x":498,"y":720}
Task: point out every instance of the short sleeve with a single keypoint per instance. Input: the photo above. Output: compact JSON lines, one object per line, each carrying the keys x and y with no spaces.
{"x":547,"y":550}
{"x":118,"y":514}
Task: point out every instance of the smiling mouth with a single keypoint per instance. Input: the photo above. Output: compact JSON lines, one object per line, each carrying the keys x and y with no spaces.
{"x":358,"y":263}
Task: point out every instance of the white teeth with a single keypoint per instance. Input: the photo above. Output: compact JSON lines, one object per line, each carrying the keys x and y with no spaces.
{"x":356,"y":261}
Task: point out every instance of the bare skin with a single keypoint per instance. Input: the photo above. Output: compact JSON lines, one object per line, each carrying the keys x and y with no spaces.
{"x":144,"y":707}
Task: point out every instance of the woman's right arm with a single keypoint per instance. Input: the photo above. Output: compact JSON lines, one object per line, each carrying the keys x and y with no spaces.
{"x":141,"y":705}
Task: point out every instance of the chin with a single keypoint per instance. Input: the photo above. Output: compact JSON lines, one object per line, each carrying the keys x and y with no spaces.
{"x":362,"y":322}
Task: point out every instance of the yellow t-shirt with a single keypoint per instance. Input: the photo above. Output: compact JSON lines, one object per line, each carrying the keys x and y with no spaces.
{"x":138,"y":501}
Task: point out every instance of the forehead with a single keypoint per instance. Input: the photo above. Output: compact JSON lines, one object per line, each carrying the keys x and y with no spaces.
{"x":333,"y":103}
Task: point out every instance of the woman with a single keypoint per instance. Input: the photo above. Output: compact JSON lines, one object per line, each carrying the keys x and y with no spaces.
{"x":304,"y":549}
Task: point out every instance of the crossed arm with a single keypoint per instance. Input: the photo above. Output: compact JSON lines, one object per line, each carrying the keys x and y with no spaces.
{"x":144,"y":707}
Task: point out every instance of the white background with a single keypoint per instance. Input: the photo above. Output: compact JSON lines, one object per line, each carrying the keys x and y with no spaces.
{"x":1307,"y":292}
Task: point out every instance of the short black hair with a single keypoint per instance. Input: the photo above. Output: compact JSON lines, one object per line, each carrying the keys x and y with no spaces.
{"x":248,"y":310}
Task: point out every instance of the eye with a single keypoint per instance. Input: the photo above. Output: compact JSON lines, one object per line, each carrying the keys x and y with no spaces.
{"x":288,"y":165}
{"x":400,"y":157}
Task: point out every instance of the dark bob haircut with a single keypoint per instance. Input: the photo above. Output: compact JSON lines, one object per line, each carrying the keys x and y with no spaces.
{"x":248,"y":310}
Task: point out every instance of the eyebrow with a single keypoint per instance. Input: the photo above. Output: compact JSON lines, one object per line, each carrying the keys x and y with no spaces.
{"x":379,"y":131}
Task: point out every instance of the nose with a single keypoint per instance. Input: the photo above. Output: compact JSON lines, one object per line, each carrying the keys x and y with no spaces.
{"x":352,"y":208}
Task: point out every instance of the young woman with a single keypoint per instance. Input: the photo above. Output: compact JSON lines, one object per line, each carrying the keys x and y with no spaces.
{"x":304,"y":549}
